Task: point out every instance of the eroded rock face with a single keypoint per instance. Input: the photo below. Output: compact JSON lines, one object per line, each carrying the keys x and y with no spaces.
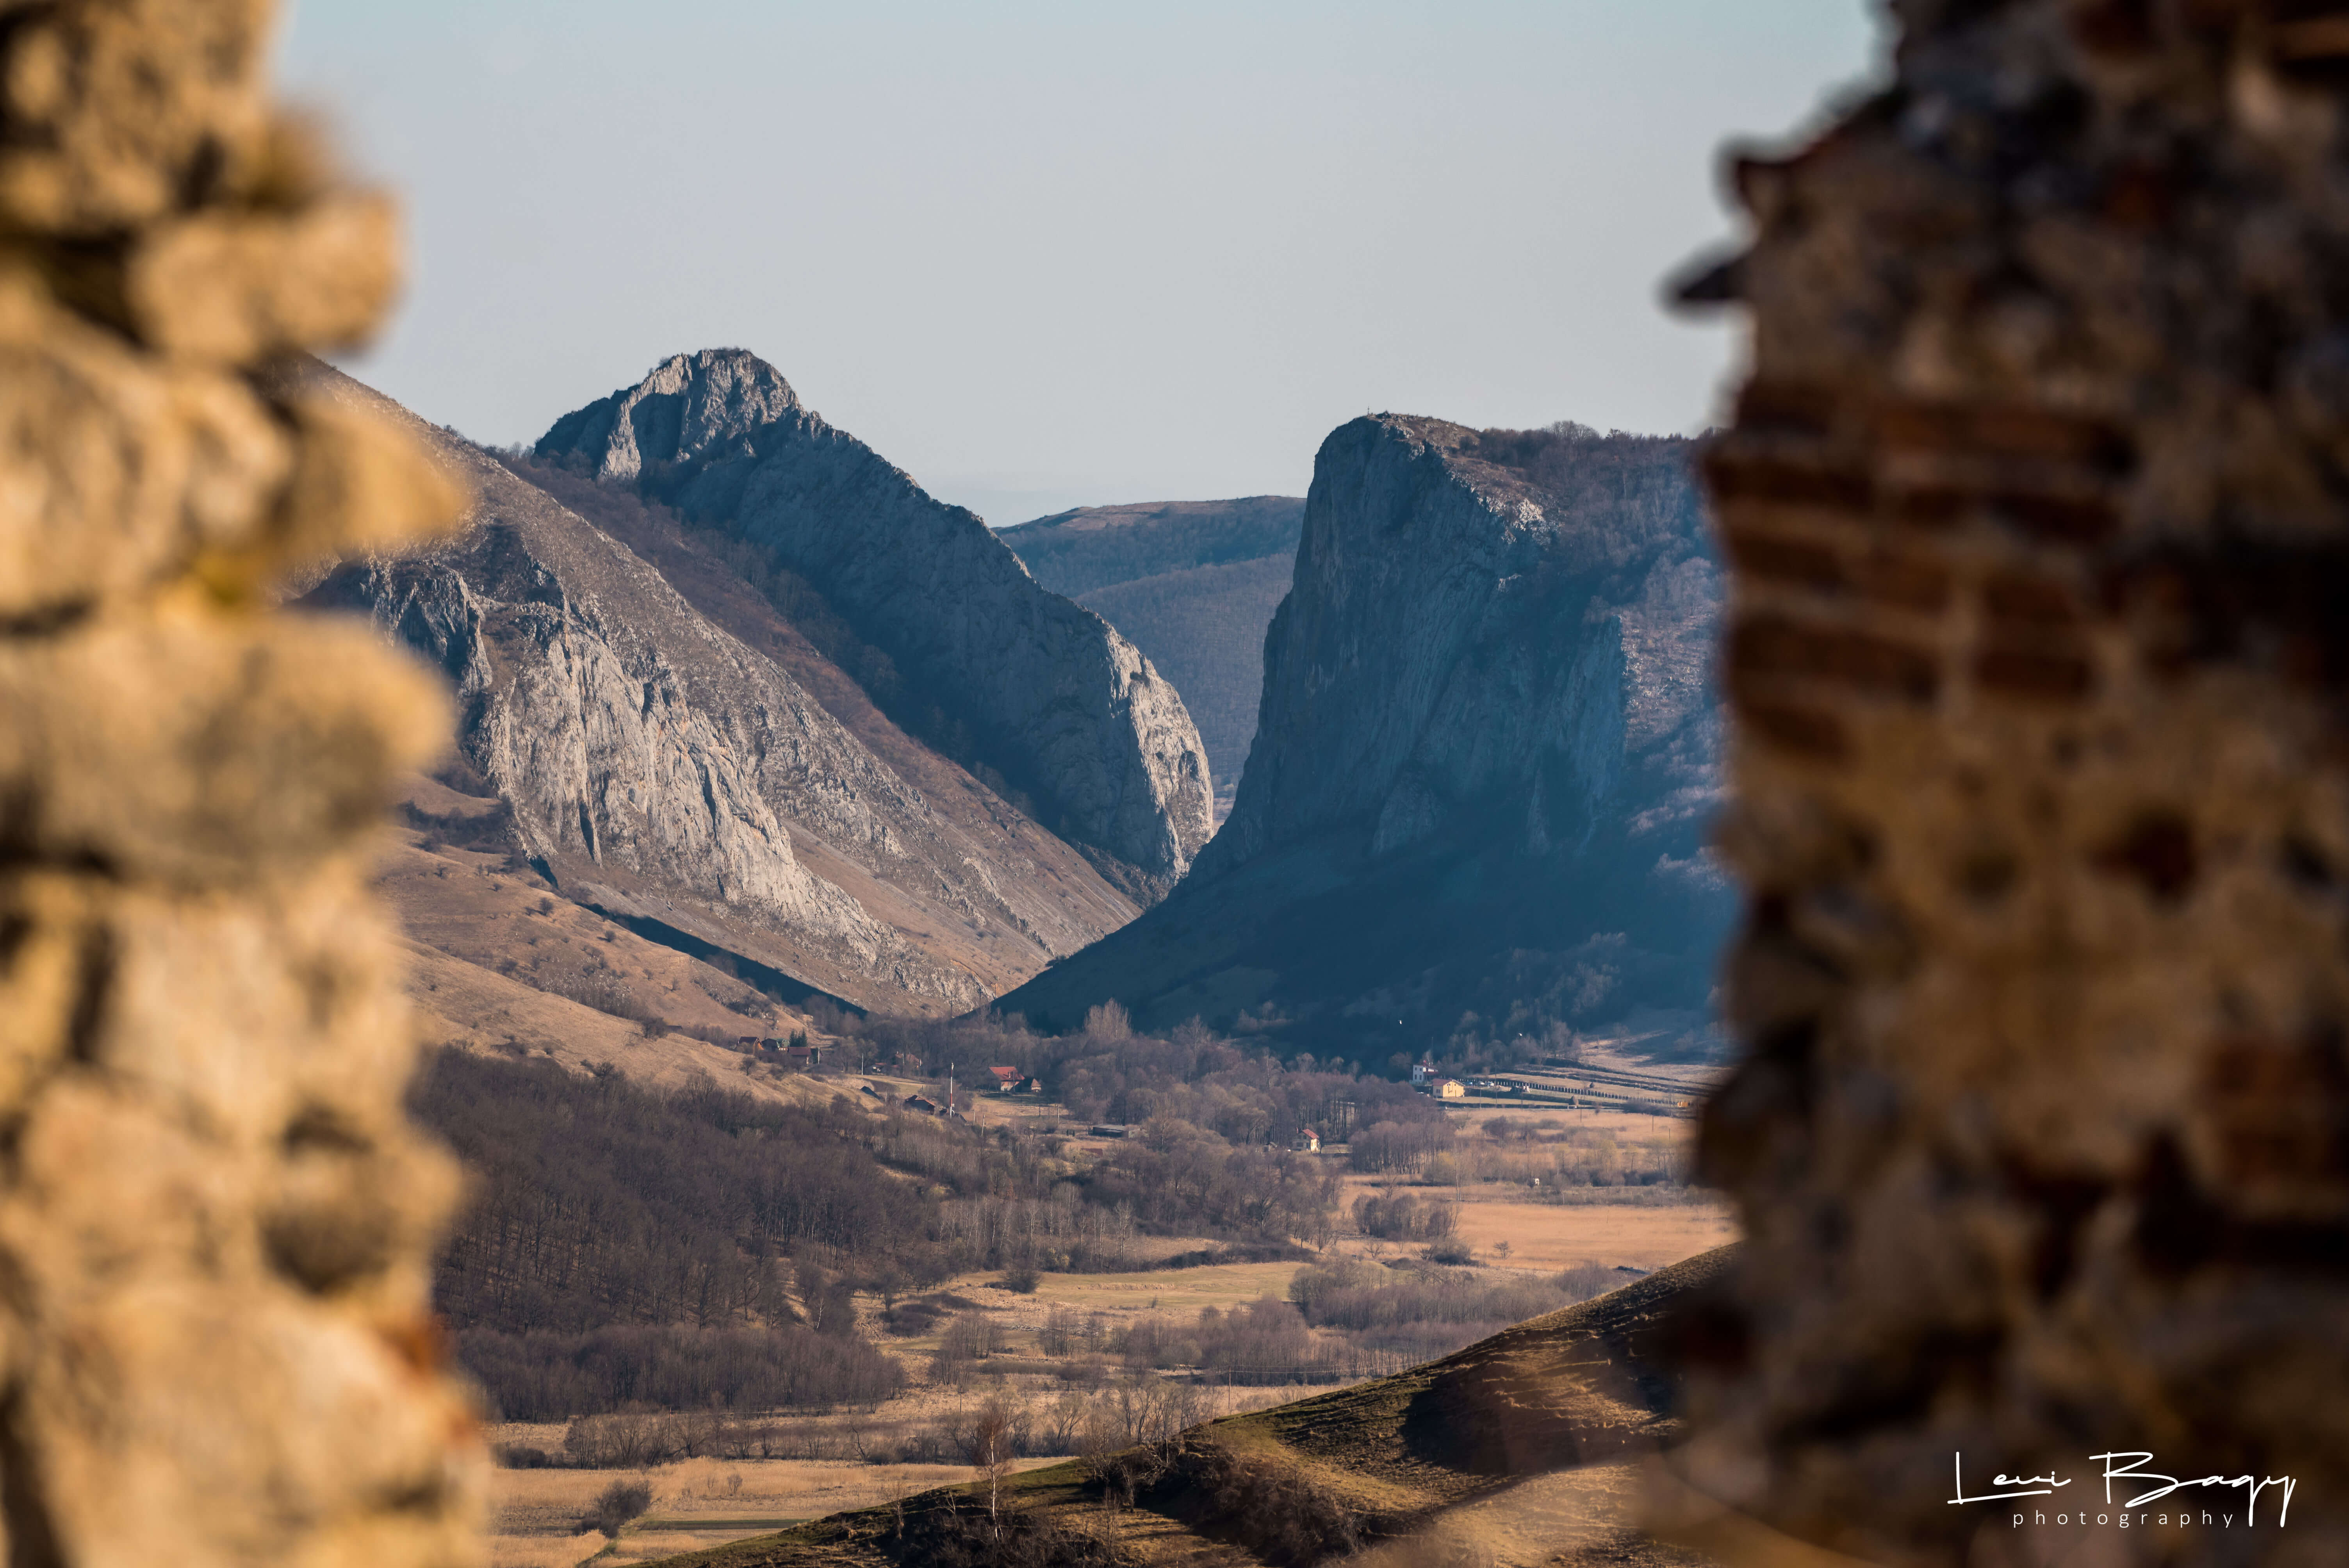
{"x":690,"y":403}
{"x":215,"y":1220}
{"x":659,"y":765}
{"x":1062,"y":704}
{"x":2035,"y":498}
{"x":1483,"y":759}
{"x":1447,"y":644}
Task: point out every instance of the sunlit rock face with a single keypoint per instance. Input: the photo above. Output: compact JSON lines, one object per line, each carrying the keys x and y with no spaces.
{"x":661,"y":761}
{"x":1056,"y":701}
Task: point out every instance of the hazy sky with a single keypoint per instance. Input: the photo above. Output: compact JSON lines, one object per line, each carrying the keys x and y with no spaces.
{"x":1051,"y":254}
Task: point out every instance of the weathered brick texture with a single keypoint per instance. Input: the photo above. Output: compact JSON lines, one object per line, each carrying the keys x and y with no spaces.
{"x":2038,"y":497}
{"x":214,"y":1219}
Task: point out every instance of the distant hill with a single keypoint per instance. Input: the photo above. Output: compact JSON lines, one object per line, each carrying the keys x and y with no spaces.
{"x":1074,"y":553}
{"x":1194,"y":584}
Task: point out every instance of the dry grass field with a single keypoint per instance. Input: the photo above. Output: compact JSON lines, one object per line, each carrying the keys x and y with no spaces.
{"x":708,"y":1501}
{"x":703,"y":1502}
{"x":1551,"y":1236}
{"x":1544,"y":1237}
{"x":695,"y":1503}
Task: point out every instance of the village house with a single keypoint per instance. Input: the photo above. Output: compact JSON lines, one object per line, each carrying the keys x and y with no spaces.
{"x":1308,"y":1143}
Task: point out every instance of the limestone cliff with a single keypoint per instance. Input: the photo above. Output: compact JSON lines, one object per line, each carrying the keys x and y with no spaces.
{"x":1486,"y":754}
{"x":1192,"y":584}
{"x":661,"y":768}
{"x":1055,"y":700}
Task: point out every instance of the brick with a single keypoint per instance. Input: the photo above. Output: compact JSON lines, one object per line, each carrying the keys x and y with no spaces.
{"x":1775,"y":646}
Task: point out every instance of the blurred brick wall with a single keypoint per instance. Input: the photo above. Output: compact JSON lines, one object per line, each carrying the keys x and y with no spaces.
{"x":2038,"y":501}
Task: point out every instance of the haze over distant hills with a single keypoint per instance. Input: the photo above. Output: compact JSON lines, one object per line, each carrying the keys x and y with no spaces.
{"x":1195,"y":584}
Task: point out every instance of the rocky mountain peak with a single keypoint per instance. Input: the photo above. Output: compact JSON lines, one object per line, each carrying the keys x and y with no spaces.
{"x":1022,"y":684}
{"x":688,"y":406}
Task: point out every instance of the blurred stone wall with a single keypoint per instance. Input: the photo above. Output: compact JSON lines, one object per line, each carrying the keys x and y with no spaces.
{"x":2038,"y":499}
{"x":214,"y":1221}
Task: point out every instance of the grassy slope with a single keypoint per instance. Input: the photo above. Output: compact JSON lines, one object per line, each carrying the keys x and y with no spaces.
{"x":1587,"y":1388}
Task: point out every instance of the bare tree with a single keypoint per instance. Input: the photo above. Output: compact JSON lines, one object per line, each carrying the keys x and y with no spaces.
{"x":990,"y":1443}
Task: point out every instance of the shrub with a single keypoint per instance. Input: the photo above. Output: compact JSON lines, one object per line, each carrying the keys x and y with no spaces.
{"x":1403,"y":1218}
{"x":1023,"y":1280}
{"x":1451,"y":1251}
{"x":1275,"y":1509}
{"x":619,"y":1503}
{"x":1584,"y":1281}
{"x":970,"y":1338}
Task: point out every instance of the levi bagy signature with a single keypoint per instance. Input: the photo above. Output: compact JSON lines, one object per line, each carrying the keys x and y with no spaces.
{"x":2124,"y":1467}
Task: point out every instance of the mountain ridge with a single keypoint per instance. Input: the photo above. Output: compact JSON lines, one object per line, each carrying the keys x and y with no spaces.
{"x":1069,"y":710}
{"x":667,"y":772}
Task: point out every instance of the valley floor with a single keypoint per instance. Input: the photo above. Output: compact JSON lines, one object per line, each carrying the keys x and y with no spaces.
{"x":851,"y":1460}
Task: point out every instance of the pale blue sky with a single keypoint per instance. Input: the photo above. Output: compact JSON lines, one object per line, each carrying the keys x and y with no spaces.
{"x":1051,"y":254}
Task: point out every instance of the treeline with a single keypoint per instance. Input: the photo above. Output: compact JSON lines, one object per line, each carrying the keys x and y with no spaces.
{"x":554,"y":1377}
{"x":1400,"y":1217}
{"x":1422,"y":1311}
{"x":601,"y":1203}
{"x":1622,"y":492}
{"x":1179,"y":1178}
{"x":1109,"y":1072}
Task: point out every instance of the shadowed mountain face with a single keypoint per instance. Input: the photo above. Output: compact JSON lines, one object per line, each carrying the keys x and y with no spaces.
{"x":1194,"y":584}
{"x":1049,"y":697}
{"x":1485,"y":755}
{"x":672,"y":751}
